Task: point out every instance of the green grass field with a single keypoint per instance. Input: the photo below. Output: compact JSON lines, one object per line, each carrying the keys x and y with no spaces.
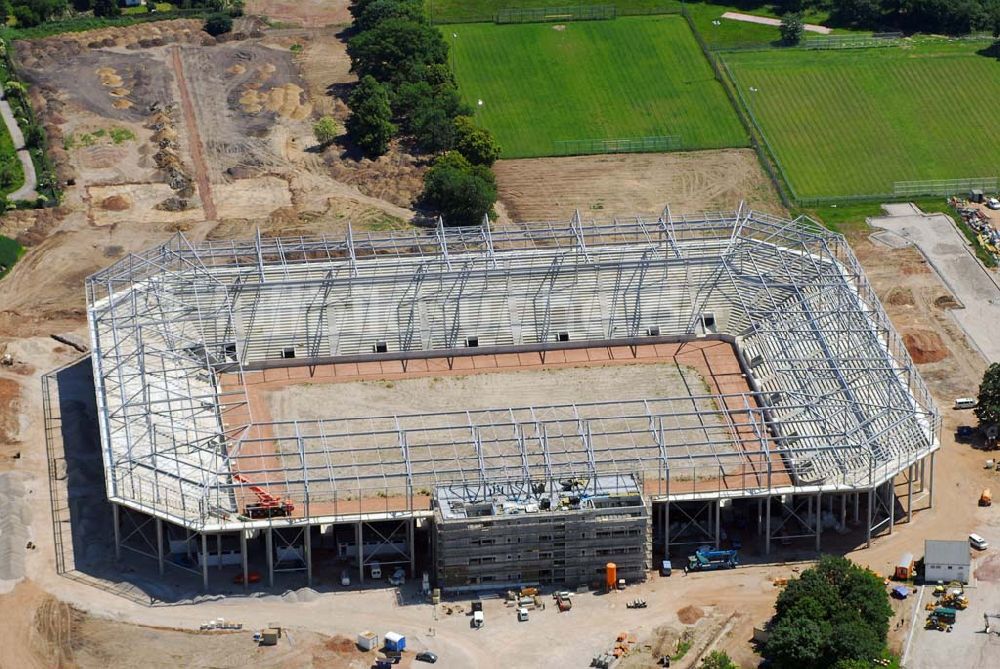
{"x":853,"y":122}
{"x":483,"y":10}
{"x":631,"y":77}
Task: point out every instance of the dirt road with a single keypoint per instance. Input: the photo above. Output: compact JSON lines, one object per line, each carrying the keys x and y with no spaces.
{"x":194,"y":138}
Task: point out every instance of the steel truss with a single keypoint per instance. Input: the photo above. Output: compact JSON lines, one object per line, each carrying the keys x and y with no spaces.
{"x":835,"y":403}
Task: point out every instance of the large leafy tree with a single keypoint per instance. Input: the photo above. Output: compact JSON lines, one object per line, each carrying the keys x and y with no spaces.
{"x":833,"y":613}
{"x":379,"y":10}
{"x":988,"y":409}
{"x":475,"y":143}
{"x":370,"y":123}
{"x":856,"y":13}
{"x":462,"y":193}
{"x":397,"y":50}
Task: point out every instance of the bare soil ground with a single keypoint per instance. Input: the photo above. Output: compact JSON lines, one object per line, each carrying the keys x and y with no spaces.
{"x":311,"y":401}
{"x":543,"y":189}
{"x":305,"y":13}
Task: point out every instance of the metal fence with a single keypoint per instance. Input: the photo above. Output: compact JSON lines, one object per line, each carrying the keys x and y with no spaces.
{"x":945,"y":186}
{"x":853,"y":41}
{"x":555,"y":14}
{"x":580,"y":147}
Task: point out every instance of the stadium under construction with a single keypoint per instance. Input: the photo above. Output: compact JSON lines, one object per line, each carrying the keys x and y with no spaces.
{"x":740,"y":383}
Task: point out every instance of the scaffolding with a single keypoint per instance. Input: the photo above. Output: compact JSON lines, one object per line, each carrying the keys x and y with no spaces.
{"x":833,"y":404}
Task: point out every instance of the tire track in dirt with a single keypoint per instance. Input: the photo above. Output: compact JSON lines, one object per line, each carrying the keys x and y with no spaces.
{"x":194,"y":138}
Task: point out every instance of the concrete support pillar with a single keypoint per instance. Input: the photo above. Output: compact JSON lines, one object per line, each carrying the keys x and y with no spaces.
{"x":204,"y":560}
{"x":118,"y":531}
{"x":857,"y":508}
{"x":159,"y":544}
{"x":843,"y":511}
{"x":767,"y":525}
{"x":819,"y":519}
{"x":243,"y":559}
{"x":411,"y":531}
{"x":890,"y":490}
{"x":868,"y":527}
{"x":718,"y":511}
{"x":909,"y":495}
{"x":666,"y":530}
{"x":361,"y":553}
{"x":269,"y":547}
{"x":309,"y":554}
{"x":930,"y":487}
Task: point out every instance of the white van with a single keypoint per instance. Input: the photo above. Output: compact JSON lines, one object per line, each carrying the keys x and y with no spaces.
{"x":522,"y":614}
{"x":966,"y":403}
{"x":978,"y":542}
{"x":477,"y":619}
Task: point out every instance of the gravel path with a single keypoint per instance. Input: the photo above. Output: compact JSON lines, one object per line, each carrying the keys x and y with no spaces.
{"x":765,"y":21}
{"x":27,"y":191}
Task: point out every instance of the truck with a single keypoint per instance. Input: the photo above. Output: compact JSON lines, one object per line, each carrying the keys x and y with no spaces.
{"x":707,"y":559}
{"x":477,"y":619}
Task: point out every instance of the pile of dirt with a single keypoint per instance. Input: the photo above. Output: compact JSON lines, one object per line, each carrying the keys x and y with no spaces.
{"x":287,"y":101}
{"x":116,"y":203}
{"x":947,"y":302}
{"x":167,"y":157}
{"x":925,"y":346}
{"x":340,"y":645}
{"x":900,"y":297}
{"x":689,"y":615}
{"x":396,"y":177}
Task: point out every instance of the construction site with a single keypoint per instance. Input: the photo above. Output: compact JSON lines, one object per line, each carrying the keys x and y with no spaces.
{"x":751,"y":389}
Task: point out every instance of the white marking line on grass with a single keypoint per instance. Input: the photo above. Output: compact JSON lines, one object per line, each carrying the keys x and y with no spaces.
{"x":765,"y":21}
{"x":913,"y":626}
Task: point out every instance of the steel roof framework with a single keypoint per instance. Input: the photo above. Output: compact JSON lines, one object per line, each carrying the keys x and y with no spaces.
{"x":836,"y":401}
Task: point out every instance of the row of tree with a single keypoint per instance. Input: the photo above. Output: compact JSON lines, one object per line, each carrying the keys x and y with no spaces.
{"x":30,"y":13}
{"x":950,"y":17}
{"x":406,"y":88}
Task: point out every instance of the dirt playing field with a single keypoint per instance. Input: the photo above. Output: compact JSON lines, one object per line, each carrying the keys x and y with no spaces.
{"x":305,"y":13}
{"x":545,"y":189}
{"x":580,"y":385}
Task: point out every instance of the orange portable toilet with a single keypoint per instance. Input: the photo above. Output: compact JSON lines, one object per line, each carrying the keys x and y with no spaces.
{"x":612,"y":576}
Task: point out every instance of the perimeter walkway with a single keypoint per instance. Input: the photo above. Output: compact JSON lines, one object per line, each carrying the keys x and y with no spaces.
{"x":27,"y":191}
{"x":948,"y":252}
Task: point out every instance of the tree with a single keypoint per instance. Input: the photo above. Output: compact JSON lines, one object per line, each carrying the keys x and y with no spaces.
{"x":326,"y":130}
{"x":832,"y":613}
{"x":791,"y":29}
{"x":462,"y":193}
{"x":856,"y":13}
{"x":477,"y":144}
{"x":718,"y":660}
{"x":106,"y":8}
{"x":370,"y":123}
{"x":380,"y":10}
{"x":397,"y":50}
{"x":218,"y":24}
{"x":25,"y":16}
{"x":82,"y":5}
{"x":988,"y":408}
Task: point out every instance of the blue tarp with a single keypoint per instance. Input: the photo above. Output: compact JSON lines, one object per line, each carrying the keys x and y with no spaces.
{"x":901,"y":591}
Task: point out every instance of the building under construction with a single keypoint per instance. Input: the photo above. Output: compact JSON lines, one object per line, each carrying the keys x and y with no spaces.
{"x":779,"y":401}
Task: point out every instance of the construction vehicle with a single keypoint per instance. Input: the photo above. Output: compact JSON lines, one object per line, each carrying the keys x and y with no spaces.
{"x":267,"y":505}
{"x":986,"y":619}
{"x":636,"y":604}
{"x":986,"y":498}
{"x":955,"y":601}
{"x":706,"y":559}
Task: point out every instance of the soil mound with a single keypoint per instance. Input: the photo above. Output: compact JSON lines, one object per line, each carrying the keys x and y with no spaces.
{"x":900,"y":297}
{"x":925,"y":346}
{"x":689,"y":615}
{"x":116,"y":203}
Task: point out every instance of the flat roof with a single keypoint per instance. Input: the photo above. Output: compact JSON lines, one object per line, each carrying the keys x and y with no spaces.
{"x":947,"y":552}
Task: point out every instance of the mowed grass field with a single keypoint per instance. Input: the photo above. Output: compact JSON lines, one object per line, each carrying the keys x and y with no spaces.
{"x":626,"y":78}
{"x":853,"y":122}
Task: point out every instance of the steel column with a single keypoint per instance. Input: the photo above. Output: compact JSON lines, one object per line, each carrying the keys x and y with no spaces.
{"x":909,"y":494}
{"x":269,"y":547}
{"x":118,"y":534}
{"x":159,"y":544}
{"x":930,"y":487}
{"x":868,"y":531}
{"x":243,"y":559}
{"x":767,"y":525}
{"x":890,"y":488}
{"x":218,"y":548}
{"x":718,"y":512}
{"x":309,"y":557}
{"x":204,"y":561}
{"x":361,"y":554}
{"x":819,"y":519}
{"x":411,"y":530}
